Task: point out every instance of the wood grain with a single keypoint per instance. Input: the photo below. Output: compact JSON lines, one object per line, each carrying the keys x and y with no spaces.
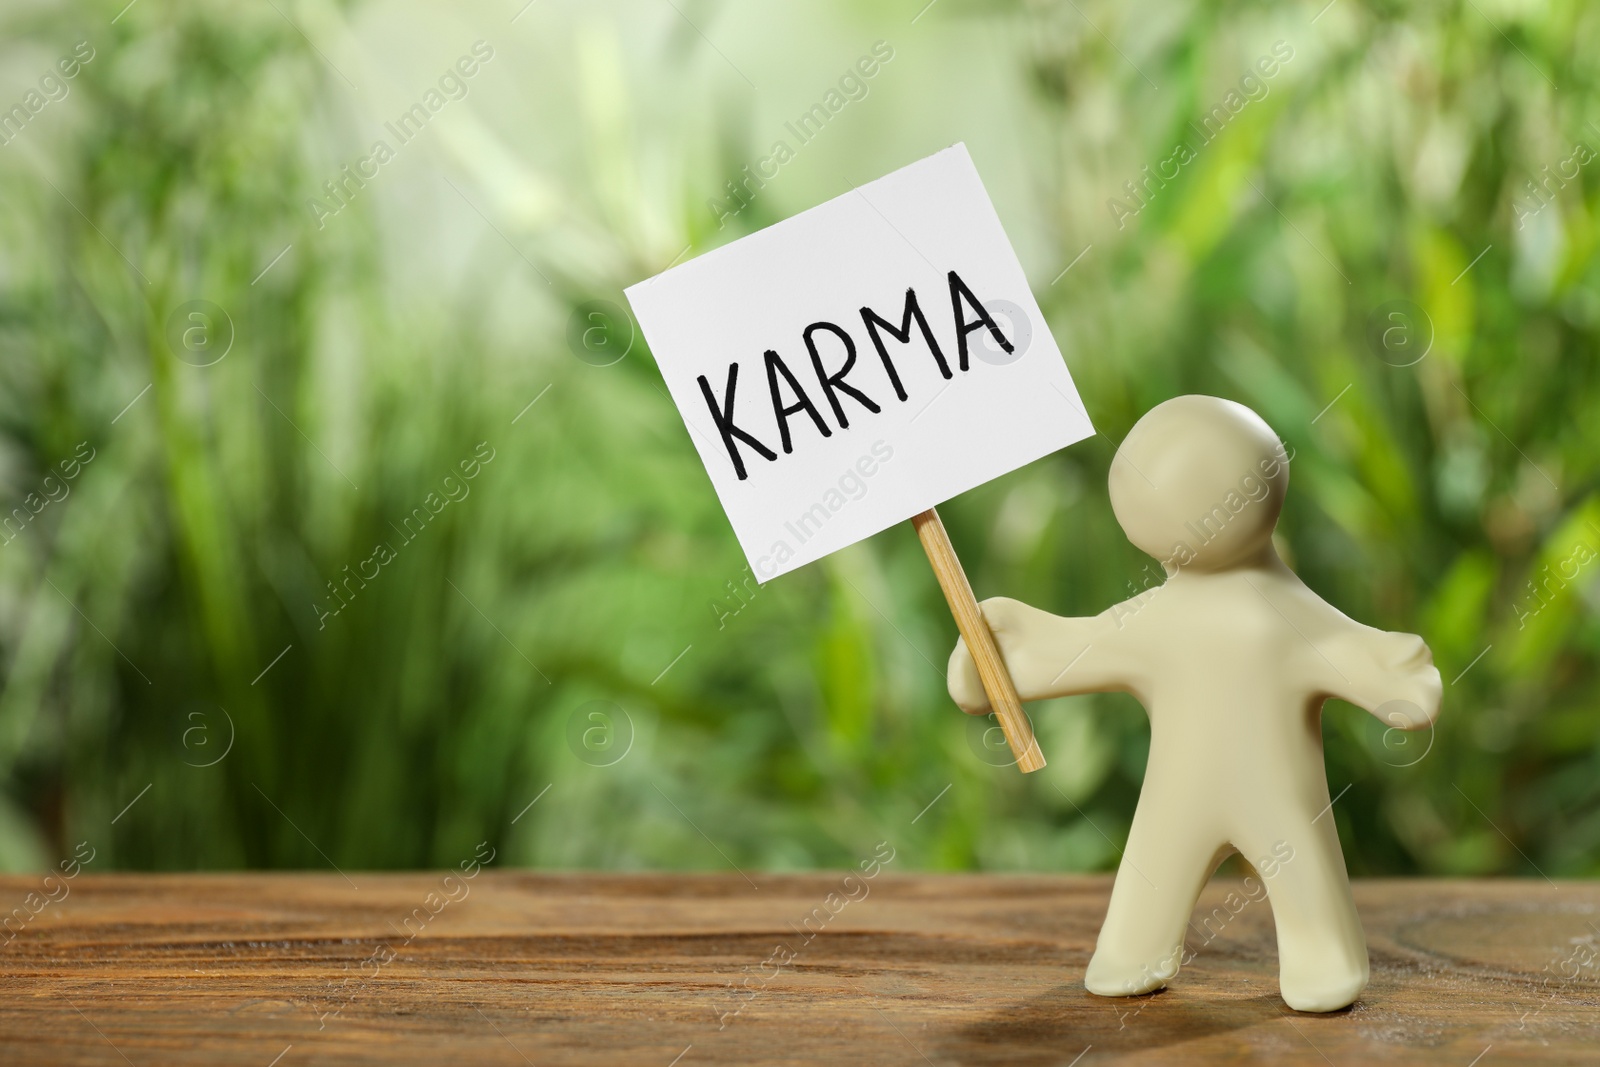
{"x":557,"y":969}
{"x":1003,"y":699}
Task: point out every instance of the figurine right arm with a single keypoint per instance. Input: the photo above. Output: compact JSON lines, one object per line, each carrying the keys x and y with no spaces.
{"x":1391,"y":675}
{"x":1047,"y":655}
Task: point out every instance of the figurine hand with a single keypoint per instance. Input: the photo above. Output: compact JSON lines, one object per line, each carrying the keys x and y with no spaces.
{"x":1405,"y":653}
{"x":1416,"y":680}
{"x":966,"y":688}
{"x":1005,"y":618}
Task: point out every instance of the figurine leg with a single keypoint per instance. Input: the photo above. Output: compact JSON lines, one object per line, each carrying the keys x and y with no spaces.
{"x":1158,"y":881}
{"x":1322,"y":953}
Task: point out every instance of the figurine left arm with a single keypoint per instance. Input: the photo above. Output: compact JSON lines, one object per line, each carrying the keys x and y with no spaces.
{"x":1047,"y":655}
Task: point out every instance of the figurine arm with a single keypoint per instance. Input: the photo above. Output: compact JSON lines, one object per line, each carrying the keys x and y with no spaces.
{"x":1047,"y":655}
{"x":1391,"y":675}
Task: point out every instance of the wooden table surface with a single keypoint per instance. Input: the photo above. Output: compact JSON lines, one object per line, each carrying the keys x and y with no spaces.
{"x":510,"y":968}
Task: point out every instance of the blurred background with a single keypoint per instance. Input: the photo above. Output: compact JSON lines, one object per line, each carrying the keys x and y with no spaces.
{"x":240,"y":345}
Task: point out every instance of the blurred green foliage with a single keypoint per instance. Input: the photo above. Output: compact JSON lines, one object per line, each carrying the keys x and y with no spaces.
{"x":167,"y":622}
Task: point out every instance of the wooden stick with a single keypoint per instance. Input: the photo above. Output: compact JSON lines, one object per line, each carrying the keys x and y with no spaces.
{"x":980,"y":641}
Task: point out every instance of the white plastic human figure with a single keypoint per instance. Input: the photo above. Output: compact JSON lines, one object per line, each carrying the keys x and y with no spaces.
{"x":1232,"y":658}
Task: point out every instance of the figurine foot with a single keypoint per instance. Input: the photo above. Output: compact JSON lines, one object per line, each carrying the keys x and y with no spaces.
{"x":1329,"y":990}
{"x":1106,"y":977}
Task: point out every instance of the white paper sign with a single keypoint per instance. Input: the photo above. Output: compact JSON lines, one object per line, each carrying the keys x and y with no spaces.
{"x":859,"y":363}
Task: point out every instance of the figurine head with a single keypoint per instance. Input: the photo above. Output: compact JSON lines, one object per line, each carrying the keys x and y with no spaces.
{"x":1199,"y":482}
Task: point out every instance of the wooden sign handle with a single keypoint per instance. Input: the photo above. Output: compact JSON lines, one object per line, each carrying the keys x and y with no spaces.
{"x":980,"y":641}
